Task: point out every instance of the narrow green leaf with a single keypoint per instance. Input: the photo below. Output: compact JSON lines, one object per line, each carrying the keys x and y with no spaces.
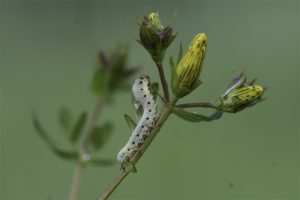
{"x":195,"y":117}
{"x":131,"y":123}
{"x":100,"y":135}
{"x":173,"y":74}
{"x":78,"y":127}
{"x":72,"y":155}
{"x":64,"y":119}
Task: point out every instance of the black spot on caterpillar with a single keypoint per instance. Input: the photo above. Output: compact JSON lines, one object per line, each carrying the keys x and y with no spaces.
{"x":143,"y":97}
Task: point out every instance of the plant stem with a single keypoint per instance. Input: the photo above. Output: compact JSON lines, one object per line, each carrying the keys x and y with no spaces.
{"x":91,"y":126}
{"x":115,"y":183}
{"x":163,"y":80}
{"x":194,"y":105}
{"x":164,"y":114}
{"x":76,"y":181}
{"x":84,"y":154}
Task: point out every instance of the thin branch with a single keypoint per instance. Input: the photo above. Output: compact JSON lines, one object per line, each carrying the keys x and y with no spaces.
{"x":197,"y":105}
{"x":165,"y":113}
{"x":115,"y":183}
{"x":163,"y":80}
{"x":76,"y":181}
{"x":91,"y":126}
{"x":84,"y":154}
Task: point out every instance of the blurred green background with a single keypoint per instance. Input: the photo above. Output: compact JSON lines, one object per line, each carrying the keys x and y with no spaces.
{"x":48,"y":54}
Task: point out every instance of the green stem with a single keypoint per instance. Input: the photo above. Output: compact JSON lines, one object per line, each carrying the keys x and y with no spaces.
{"x":164,"y":114}
{"x":76,"y":181}
{"x":84,"y":154}
{"x":163,"y":80}
{"x":91,"y":126}
{"x":196,"y":105}
{"x":113,"y":186}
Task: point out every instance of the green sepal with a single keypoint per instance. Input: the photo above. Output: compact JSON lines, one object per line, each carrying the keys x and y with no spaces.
{"x":78,"y":127}
{"x":129,"y":167}
{"x":100,"y":135}
{"x":195,"y":85}
{"x":252,"y":81}
{"x":55,"y":148}
{"x":195,"y":117}
{"x":130,"y":122}
{"x":173,"y":65}
{"x":65,"y":119}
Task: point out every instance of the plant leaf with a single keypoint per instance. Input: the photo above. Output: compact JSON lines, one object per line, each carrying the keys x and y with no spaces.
{"x":78,"y":127}
{"x":71,"y":155}
{"x":173,"y":74}
{"x":131,"y":123}
{"x":195,"y":117}
{"x":100,"y":135}
{"x":129,"y":167}
{"x":64,"y":119}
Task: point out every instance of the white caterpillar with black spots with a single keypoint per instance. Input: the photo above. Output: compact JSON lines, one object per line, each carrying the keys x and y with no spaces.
{"x":142,"y":95}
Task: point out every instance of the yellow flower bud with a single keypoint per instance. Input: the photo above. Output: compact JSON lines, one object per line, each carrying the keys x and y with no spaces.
{"x":240,"y":95}
{"x":240,"y":98}
{"x":186,"y":77}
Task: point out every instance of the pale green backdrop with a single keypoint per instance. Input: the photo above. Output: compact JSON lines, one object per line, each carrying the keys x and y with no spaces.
{"x":47,"y":57}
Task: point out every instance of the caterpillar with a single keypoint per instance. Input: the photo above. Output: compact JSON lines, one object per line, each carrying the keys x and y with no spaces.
{"x":143,"y":97}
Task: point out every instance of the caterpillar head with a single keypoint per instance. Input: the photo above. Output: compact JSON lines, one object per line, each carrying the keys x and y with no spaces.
{"x":122,"y":155}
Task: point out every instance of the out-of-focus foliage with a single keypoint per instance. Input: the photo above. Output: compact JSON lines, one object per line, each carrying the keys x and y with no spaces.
{"x":112,"y":73}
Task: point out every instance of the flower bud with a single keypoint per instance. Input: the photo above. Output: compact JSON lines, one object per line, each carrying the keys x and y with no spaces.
{"x":240,"y":98}
{"x":154,"y":36}
{"x":186,"y":75}
{"x":154,"y":21}
{"x":240,"y":95}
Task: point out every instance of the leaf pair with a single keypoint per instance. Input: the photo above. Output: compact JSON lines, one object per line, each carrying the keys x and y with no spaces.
{"x":98,"y":136}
